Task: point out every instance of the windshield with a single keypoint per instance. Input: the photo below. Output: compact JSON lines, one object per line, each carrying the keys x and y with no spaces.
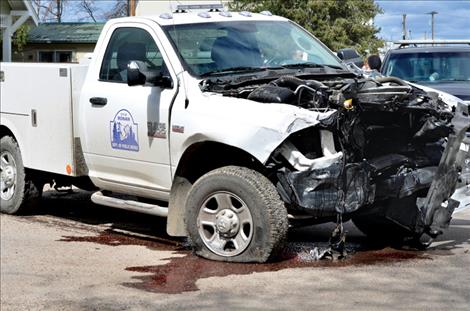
{"x":430,"y":67}
{"x":221,"y":47}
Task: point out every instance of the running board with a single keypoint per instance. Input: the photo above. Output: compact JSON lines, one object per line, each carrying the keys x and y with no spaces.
{"x":129,"y":205}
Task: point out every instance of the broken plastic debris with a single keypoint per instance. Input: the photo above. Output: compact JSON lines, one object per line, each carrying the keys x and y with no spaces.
{"x":321,"y":253}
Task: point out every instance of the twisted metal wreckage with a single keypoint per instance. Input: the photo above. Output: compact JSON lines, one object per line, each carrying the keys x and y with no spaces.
{"x":375,"y":147}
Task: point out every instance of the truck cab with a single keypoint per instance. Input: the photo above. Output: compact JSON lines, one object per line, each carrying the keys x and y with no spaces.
{"x":124,"y":138}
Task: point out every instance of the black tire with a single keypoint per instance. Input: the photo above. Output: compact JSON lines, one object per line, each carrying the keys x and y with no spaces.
{"x":381,"y":230}
{"x":246,"y":189}
{"x":378,"y":228}
{"x":377,"y":224}
{"x":25,"y":193}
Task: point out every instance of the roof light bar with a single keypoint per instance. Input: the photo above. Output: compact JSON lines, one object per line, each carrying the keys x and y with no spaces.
{"x":186,"y":7}
{"x":204,"y":15}
{"x":166,"y":16}
{"x":245,"y":13}
{"x":267,"y":13}
{"x":225,"y":14}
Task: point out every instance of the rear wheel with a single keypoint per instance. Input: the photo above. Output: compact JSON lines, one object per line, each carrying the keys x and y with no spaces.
{"x":18,"y":192}
{"x":235,"y":214}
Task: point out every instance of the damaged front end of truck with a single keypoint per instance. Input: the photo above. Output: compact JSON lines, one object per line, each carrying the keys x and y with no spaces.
{"x":387,"y":149}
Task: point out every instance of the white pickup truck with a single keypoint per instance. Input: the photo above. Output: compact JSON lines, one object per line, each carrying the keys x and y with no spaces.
{"x":233,"y":126}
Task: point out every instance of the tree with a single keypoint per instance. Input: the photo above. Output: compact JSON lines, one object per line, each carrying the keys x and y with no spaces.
{"x":50,"y":10}
{"x":120,"y":9}
{"x":89,"y":8}
{"x":19,"y":37}
{"x":70,"y":10}
{"x":337,"y":23}
{"x":78,"y":10}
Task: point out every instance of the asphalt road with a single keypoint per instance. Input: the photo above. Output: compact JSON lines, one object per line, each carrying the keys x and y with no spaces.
{"x":74,"y":255}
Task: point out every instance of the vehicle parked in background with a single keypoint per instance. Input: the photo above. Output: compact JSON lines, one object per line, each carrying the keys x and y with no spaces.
{"x":440,"y":64}
{"x":350,"y":55}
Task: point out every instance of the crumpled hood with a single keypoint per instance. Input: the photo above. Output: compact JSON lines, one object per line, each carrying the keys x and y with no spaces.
{"x":278,"y":117}
{"x":251,"y":126}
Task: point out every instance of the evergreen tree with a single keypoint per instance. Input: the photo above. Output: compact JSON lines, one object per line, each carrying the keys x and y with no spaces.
{"x":337,"y":23}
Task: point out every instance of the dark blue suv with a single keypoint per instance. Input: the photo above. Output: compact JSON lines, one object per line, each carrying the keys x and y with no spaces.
{"x":445,"y":68}
{"x":441,"y":67}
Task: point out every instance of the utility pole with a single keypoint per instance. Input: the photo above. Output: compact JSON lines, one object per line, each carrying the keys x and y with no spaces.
{"x":131,"y":7}
{"x":432,"y":13}
{"x":404,"y":26}
{"x":60,"y":6}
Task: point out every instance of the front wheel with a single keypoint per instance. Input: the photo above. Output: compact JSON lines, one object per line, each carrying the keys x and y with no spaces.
{"x":235,"y":214}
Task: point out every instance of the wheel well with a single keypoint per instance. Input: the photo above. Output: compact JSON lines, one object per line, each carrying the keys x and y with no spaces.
{"x":5,"y":131}
{"x":203,"y":157}
{"x":197,"y":160}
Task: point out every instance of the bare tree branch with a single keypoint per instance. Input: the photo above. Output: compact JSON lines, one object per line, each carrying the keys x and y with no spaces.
{"x":88,"y":6}
{"x":84,"y":10}
{"x":41,"y":9}
{"x":120,"y":9}
{"x":50,"y":10}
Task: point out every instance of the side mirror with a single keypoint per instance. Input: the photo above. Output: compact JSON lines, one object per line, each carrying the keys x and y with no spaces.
{"x":350,"y":55}
{"x":139,"y":74}
{"x":135,"y":76}
{"x":340,"y":54}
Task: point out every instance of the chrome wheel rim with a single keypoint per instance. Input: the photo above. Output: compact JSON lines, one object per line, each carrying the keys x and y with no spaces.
{"x":225,"y":224}
{"x":8,"y":175}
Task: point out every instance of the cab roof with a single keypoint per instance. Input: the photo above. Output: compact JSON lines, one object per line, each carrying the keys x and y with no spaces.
{"x":166,"y":19}
{"x":431,"y":49}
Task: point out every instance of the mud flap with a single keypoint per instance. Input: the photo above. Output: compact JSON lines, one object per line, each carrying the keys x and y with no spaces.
{"x":436,"y":212}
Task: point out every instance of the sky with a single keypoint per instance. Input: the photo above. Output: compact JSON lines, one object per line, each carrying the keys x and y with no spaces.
{"x":451,"y":22}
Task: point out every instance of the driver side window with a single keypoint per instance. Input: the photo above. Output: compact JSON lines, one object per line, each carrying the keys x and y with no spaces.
{"x":128,"y":44}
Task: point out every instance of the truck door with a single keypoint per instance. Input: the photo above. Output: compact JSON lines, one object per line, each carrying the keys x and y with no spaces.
{"x":125,"y":128}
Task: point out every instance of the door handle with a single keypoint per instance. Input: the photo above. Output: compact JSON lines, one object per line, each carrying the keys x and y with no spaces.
{"x":98,"y":101}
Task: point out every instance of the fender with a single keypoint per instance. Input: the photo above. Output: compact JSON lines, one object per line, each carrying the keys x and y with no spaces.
{"x":20,"y":139}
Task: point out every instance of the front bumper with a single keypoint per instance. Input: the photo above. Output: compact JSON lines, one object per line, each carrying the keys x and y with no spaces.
{"x":436,"y":209}
{"x":346,"y":187}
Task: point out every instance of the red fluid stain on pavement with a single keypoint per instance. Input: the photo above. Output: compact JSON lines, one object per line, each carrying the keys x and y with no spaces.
{"x":181,"y":273}
{"x":116,"y":239}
